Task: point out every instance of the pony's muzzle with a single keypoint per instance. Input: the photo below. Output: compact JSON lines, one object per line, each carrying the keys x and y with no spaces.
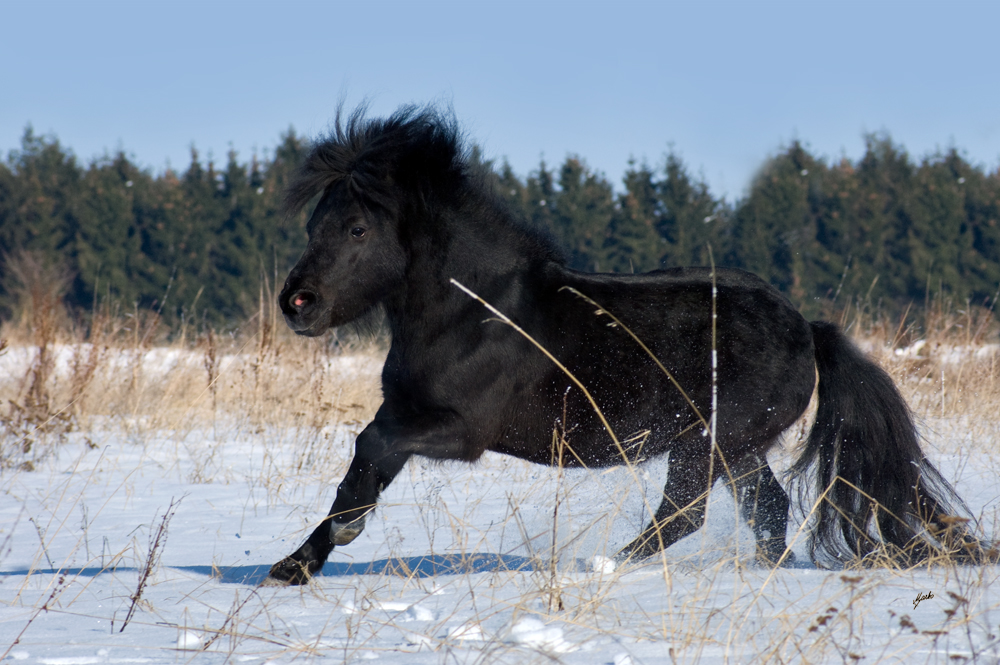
{"x":301,"y":308}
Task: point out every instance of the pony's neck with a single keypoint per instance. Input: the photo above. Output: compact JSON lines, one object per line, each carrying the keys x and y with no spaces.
{"x":483,"y":242}
{"x":476,"y":243}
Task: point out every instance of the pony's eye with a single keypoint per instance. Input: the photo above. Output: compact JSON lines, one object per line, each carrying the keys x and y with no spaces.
{"x":358,"y":231}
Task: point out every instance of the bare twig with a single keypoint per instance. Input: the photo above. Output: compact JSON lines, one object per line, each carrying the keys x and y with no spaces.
{"x":156,"y":543}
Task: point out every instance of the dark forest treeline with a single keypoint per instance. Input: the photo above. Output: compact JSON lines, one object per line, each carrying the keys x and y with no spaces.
{"x":198,"y":243}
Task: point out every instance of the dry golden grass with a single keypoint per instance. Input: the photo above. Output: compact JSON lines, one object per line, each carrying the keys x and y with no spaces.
{"x":121,"y":371}
{"x":945,"y":360}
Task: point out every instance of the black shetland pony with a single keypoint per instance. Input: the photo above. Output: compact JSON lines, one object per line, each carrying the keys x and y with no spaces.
{"x":403,"y":213}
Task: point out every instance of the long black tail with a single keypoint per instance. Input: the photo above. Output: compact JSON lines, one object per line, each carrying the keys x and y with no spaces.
{"x":881,"y":495}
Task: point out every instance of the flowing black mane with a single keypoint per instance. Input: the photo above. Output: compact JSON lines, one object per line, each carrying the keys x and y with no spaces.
{"x":419,"y":150}
{"x":414,"y":146}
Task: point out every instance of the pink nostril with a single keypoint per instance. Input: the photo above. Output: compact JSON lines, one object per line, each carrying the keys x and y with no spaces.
{"x":301,"y":300}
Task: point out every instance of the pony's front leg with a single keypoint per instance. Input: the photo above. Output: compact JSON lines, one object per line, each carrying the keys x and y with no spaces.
{"x":377,"y":460}
{"x":380,"y":452}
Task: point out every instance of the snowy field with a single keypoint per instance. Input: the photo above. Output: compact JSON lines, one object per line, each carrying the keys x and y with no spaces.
{"x":126,"y":544}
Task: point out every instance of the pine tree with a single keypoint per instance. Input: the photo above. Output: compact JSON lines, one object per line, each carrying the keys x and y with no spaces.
{"x":107,"y":247}
{"x":880,"y":224}
{"x":632,"y":243}
{"x":290,"y":236}
{"x":39,"y":211}
{"x":581,"y":214}
{"x":774,"y":228}
{"x":982,"y":211}
{"x":690,"y":219}
{"x":539,"y":202}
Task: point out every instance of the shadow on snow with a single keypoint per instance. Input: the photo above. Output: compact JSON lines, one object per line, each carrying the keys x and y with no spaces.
{"x":415,"y":566}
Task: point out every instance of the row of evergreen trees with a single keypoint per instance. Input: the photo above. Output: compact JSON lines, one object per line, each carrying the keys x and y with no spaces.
{"x":201,"y":243}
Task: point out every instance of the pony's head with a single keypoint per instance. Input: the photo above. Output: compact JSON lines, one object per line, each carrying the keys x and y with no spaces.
{"x":378,"y":180}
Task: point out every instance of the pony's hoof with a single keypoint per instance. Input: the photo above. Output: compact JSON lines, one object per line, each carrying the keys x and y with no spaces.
{"x":289,"y":572}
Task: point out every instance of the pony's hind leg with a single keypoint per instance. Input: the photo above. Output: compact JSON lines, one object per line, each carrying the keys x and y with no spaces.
{"x":681,"y":512}
{"x":763,"y":505}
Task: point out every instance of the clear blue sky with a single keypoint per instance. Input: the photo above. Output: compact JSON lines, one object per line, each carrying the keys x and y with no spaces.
{"x":726,"y":83}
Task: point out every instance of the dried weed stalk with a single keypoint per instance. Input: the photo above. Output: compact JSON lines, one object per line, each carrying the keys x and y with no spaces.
{"x":157,"y":540}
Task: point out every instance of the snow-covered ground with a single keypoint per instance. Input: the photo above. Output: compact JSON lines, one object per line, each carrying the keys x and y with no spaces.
{"x":455,"y":566}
